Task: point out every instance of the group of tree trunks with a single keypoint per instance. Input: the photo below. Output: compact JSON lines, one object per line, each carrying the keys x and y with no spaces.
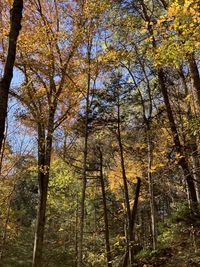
{"x":45,"y":139}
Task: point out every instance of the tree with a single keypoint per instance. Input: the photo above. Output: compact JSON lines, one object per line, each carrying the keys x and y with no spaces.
{"x":142,"y":7}
{"x":45,"y":90}
{"x":108,"y":97}
{"x":15,"y":26}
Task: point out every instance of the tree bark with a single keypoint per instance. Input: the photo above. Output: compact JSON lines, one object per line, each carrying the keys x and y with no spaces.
{"x":40,"y":227}
{"x":161,"y":80}
{"x":150,"y":180}
{"x":76,"y":232}
{"x":193,"y":140}
{"x":44,"y":163}
{"x":182,"y":161}
{"x":196,"y":168}
{"x":107,"y":238}
{"x":82,"y":217}
{"x":133,"y":219}
{"x":194,"y":147}
{"x":126,"y":193}
{"x":84,"y":185}
{"x":16,"y":17}
{"x":3,"y":148}
{"x":195,"y":80}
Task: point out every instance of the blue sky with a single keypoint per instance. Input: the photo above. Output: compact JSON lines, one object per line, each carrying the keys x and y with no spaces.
{"x":19,"y":136}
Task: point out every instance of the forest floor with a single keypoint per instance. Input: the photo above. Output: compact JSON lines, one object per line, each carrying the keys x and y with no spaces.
{"x":178,"y":242}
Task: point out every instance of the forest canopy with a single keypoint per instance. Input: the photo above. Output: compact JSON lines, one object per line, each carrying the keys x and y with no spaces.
{"x":99,"y":133}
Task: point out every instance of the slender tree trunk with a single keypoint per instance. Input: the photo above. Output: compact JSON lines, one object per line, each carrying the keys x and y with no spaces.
{"x":126,"y":193}
{"x":150,"y":180}
{"x":133,"y":219}
{"x":107,"y":238}
{"x":135,"y":204}
{"x":161,"y":79}
{"x":40,"y":227}
{"x":43,"y":187}
{"x":16,"y":17}
{"x":84,"y":185}
{"x":195,"y":80}
{"x":44,"y":162}
{"x":196,"y":169}
{"x":3,"y":150}
{"x":193,"y":148}
{"x":76,"y":232}
{"x":182,"y":161}
{"x":82,"y":205}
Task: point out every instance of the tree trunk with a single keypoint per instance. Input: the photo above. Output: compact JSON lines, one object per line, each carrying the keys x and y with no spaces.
{"x":135,"y":204}
{"x":182,"y":161}
{"x":76,"y":232}
{"x":196,"y":168}
{"x":3,"y":148}
{"x":193,"y":147}
{"x":44,"y":162}
{"x":40,"y":227}
{"x":195,"y":80}
{"x":150,"y":180}
{"x":16,"y":17}
{"x":107,"y":239}
{"x":84,"y":185}
{"x":161,"y":80}
{"x":82,"y":217}
{"x":126,"y":193}
{"x":133,"y":219}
